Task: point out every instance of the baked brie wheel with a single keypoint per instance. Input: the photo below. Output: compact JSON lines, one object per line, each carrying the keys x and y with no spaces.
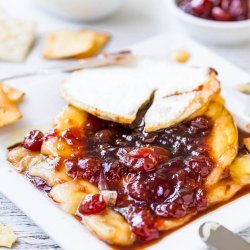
{"x":129,"y":178}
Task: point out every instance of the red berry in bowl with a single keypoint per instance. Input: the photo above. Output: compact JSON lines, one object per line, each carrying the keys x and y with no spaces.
{"x":225,"y":4}
{"x":239,"y":9}
{"x":218,"y":10}
{"x":219,"y":14}
{"x":201,"y":7}
{"x":185,"y":5}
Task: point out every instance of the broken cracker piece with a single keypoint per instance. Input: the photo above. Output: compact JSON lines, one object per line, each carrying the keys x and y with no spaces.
{"x":9,"y":113}
{"x":100,"y":41}
{"x":69,"y":44}
{"x":7,"y":236}
{"x":16,"y":38}
{"x":13,"y":94}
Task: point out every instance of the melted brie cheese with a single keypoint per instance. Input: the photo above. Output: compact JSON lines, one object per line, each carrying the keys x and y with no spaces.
{"x":117,"y":92}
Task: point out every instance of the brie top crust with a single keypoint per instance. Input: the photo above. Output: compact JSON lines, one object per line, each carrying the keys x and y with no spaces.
{"x":171,"y":107}
{"x":112,"y":90}
{"x":117,"y":92}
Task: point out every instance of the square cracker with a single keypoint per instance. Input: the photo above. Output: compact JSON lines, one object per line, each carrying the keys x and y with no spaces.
{"x":16,"y":38}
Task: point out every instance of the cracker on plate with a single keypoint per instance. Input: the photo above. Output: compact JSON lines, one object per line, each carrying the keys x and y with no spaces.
{"x":70,"y":44}
{"x":9,"y":113}
{"x":100,"y":41}
{"x":13,"y":94}
{"x":16,"y":38}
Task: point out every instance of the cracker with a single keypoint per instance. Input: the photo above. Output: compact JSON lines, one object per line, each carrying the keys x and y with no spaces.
{"x":69,"y":44}
{"x":9,"y":113}
{"x":7,"y":236}
{"x":13,"y":94}
{"x":16,"y":38}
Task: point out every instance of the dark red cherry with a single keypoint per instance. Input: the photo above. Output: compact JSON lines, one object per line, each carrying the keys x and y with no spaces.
{"x":219,"y":14}
{"x":33,"y":140}
{"x":142,"y":223}
{"x":239,"y":9}
{"x":85,"y":168}
{"x":92,"y":204}
{"x":139,"y":159}
{"x":201,"y":7}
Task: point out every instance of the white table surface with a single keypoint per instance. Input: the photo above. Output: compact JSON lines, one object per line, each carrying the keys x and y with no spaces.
{"x":137,"y":20}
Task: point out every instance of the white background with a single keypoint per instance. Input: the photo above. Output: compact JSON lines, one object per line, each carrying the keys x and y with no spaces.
{"x":137,"y":20}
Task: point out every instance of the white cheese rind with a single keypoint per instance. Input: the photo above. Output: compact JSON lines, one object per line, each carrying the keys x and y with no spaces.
{"x":164,"y":111}
{"x":113,"y":92}
{"x":117,"y":92}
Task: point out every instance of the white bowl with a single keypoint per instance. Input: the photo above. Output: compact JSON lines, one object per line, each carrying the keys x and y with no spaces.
{"x":210,"y":31}
{"x":82,"y":10}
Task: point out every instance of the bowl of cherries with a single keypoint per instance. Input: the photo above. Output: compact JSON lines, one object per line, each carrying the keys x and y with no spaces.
{"x":214,"y":21}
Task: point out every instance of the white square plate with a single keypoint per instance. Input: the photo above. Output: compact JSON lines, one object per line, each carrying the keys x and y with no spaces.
{"x":41,"y":105}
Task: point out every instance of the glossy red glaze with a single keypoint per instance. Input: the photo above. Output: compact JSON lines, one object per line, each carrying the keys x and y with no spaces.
{"x":157,"y":174}
{"x":73,"y":136}
{"x":33,"y":140}
{"x":92,"y":204}
{"x":142,"y":222}
{"x":84,"y":168}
